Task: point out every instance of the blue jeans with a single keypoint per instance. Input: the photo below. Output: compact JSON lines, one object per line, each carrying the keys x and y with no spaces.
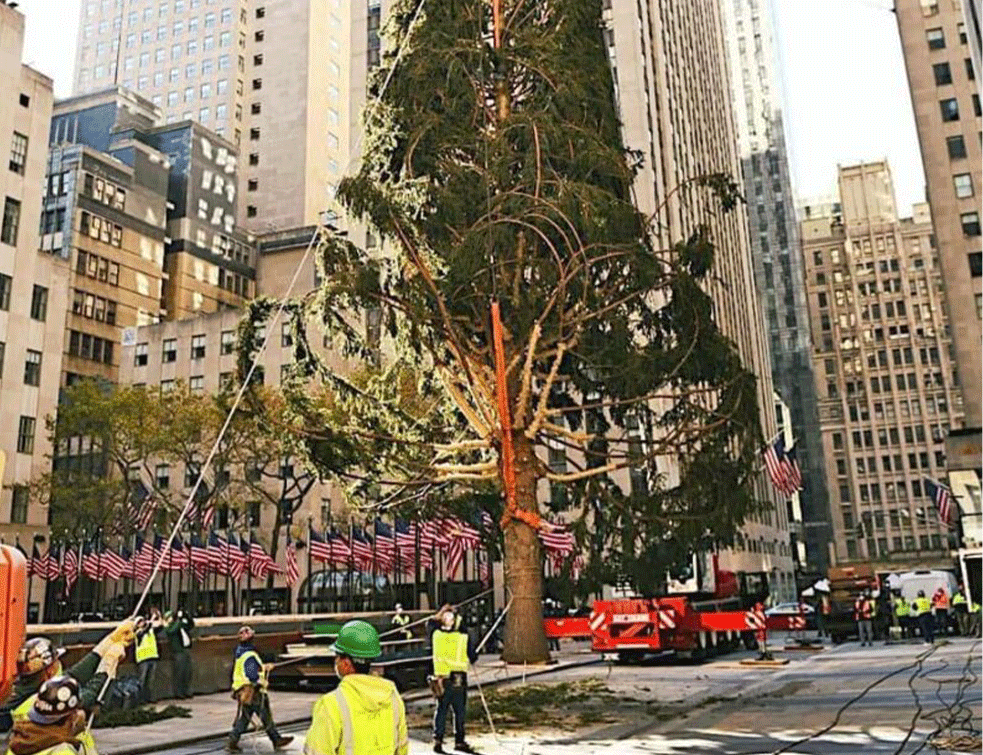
{"x":455,"y":696}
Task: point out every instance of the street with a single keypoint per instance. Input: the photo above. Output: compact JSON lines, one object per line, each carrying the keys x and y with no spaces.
{"x":892,"y":698}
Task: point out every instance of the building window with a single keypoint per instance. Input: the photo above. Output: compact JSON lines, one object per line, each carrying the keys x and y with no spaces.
{"x":976,"y":106}
{"x":251,"y":211}
{"x":162,"y":476}
{"x":18,"y":504}
{"x":196,"y":383}
{"x":943,"y":74}
{"x":970,"y":70}
{"x":963,"y":183}
{"x":198,"y":346}
{"x":6,"y":282}
{"x":254,"y":158}
{"x":228,"y":342}
{"x":140,"y":355}
{"x":39,"y":303}
{"x":32,"y":368}
{"x":254,"y":134}
{"x":979,"y":316}
{"x":11,"y":221}
{"x":975,"y":264}
{"x":169,"y":352}
{"x":252,"y":184}
{"x":259,"y":36}
{"x":18,"y":153}
{"x":25,"y":100}
{"x":286,"y":334}
{"x":950,"y":109}
{"x":261,"y":13}
{"x":963,"y":39}
{"x":25,"y":435}
{"x":970,"y":223}
{"x":935,"y":38}
{"x":956,"y":146}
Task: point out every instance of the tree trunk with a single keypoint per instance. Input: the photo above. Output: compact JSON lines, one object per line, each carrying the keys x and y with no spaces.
{"x":525,"y":637}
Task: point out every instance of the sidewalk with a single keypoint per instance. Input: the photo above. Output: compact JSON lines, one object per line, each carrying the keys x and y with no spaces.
{"x":212,"y":715}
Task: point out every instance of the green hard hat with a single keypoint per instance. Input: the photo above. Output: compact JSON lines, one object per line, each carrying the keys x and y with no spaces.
{"x":358,"y":639}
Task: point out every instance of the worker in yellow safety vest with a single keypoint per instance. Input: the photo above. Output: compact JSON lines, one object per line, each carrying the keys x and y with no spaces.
{"x":961,"y":609}
{"x":400,"y":621}
{"x":452,"y":656}
{"x":147,"y":653}
{"x":249,"y":688}
{"x":922,"y":610}
{"x":364,"y":715}
{"x":902,"y":611}
{"x":55,"y":721}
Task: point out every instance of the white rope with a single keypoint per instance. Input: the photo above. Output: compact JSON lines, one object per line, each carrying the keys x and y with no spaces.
{"x":256,"y":359}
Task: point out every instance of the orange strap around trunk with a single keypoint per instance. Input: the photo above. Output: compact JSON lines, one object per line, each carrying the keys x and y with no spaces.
{"x":508,"y":453}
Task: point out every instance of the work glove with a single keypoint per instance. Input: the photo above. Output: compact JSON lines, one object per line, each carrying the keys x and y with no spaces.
{"x":123,"y":635}
{"x":111,"y":657}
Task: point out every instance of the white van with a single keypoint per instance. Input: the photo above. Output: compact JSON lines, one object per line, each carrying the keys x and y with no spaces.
{"x":927,"y":580}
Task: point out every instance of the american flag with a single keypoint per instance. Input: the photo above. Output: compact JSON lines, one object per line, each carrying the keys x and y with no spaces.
{"x":775,"y":463}
{"x":91,"y":562}
{"x":200,"y":560}
{"x":238,"y":553}
{"x":54,"y":562}
{"x":143,"y":558}
{"x":320,"y":549}
{"x":340,"y":552}
{"x":557,"y":539}
{"x":293,"y":573}
{"x":259,"y":560}
{"x":942,"y":497}
{"x":484,"y":573}
{"x":218,"y":554}
{"x":791,"y":464}
{"x":35,"y":565}
{"x":71,"y":567}
{"x":385,"y":546}
{"x":180,"y":555}
{"x":113,"y":564}
{"x":142,"y":514}
{"x":454,"y":552}
{"x":361,"y":548}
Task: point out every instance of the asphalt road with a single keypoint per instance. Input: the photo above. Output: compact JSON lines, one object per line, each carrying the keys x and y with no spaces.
{"x":890,"y":699}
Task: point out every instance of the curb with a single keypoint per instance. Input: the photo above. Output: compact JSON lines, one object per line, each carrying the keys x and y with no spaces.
{"x":412,"y":696}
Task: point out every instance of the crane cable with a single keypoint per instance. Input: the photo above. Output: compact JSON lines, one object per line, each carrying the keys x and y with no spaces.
{"x":319,"y":231}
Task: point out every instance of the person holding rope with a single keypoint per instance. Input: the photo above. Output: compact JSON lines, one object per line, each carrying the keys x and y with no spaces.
{"x":56,"y":722}
{"x":452,"y":655}
{"x":249,"y":688}
{"x":364,"y":714}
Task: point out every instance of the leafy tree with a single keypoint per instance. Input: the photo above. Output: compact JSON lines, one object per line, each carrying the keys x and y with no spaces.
{"x":494,"y":171}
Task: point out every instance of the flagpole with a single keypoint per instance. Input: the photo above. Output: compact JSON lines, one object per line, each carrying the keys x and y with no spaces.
{"x":30,"y":578}
{"x":78,"y":576}
{"x":375,"y":542}
{"x":416,"y":564}
{"x":310,"y":564}
{"x":249,"y":575}
{"x":351,"y":563}
{"x":229,"y":594}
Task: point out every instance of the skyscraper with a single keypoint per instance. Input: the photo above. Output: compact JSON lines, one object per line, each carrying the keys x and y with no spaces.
{"x":670,"y":67}
{"x":776,"y":251}
{"x":886,"y":397}
{"x":945,"y":95}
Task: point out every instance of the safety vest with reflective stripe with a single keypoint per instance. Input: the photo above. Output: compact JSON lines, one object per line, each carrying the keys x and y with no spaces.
{"x":147,"y":648}
{"x":450,"y":652}
{"x":239,"y":678}
{"x":862,"y":610}
{"x":958,"y":599}
{"x":85,"y":738}
{"x":921,"y":605}
{"x":941,"y":600}
{"x":364,"y":733}
{"x":67,"y":749}
{"x":401,"y":619}
{"x":902,"y":609}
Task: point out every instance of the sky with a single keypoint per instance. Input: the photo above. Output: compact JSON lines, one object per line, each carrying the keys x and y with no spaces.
{"x":845,"y":92}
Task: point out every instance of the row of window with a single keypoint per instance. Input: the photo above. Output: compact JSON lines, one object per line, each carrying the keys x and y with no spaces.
{"x":104,"y":191}
{"x":925,"y":544}
{"x":943,"y":72}
{"x":936,"y":37}
{"x":227,"y":343}
{"x":101,"y":229}
{"x":94,"y":307}
{"x":887,"y":436}
{"x":93,"y":348}
{"x":949,"y":107}
{"x":97,"y":268}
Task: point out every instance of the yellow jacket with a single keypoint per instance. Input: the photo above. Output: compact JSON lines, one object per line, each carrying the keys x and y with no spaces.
{"x":364,"y":716}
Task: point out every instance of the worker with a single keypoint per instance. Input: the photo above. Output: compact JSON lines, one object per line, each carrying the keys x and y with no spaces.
{"x":37,"y":661}
{"x":249,"y":688}
{"x":400,"y":621}
{"x":961,"y":609}
{"x":940,"y":604}
{"x":974,"y":618}
{"x":365,"y":714}
{"x":147,"y":653}
{"x":55,"y":721}
{"x":178,"y":629}
{"x":922,"y":610}
{"x":452,"y":654}
{"x":823,"y":614}
{"x":863,"y":611}
{"x":902,"y":612}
